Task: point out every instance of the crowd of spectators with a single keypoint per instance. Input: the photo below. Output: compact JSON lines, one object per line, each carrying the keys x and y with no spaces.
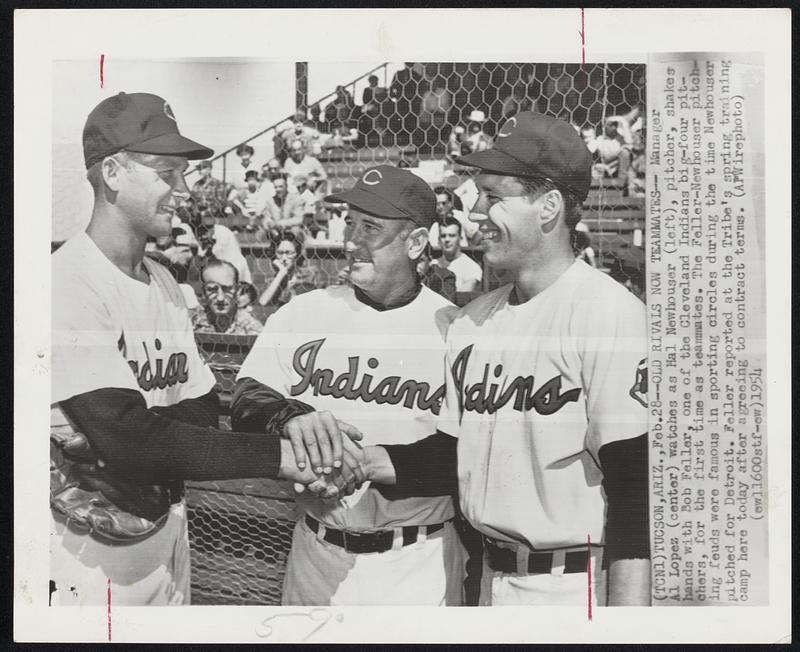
{"x":450,"y":109}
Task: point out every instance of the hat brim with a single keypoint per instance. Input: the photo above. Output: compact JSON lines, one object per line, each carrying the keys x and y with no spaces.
{"x":367,"y":202}
{"x":495,"y":161}
{"x":172,"y":145}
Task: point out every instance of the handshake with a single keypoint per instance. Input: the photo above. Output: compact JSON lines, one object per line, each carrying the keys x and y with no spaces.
{"x":321,"y":454}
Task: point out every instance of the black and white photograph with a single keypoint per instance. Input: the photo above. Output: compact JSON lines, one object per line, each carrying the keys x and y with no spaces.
{"x":488,"y":327}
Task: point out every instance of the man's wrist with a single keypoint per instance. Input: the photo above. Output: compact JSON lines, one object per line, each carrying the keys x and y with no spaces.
{"x":378,"y":466}
{"x":288,"y":463}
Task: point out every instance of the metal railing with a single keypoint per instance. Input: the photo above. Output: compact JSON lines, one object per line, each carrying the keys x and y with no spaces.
{"x":285,"y":122}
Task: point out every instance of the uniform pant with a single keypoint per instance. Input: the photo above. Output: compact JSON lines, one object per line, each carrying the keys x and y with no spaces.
{"x":429,"y":572}
{"x":555,"y":588}
{"x":155,"y":571}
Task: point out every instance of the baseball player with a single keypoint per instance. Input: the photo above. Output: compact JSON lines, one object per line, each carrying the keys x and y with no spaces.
{"x":546,"y":392}
{"x":370,"y":353}
{"x":127,"y":374}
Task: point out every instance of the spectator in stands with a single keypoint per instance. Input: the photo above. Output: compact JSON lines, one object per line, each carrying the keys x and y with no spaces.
{"x":316,"y":122}
{"x":217,"y":241}
{"x":272,"y":170}
{"x":449,"y":206}
{"x":406,"y":91}
{"x":301,"y":163}
{"x":251,"y":200}
{"x":468,"y":273}
{"x":293,"y":274}
{"x":477,"y":138}
{"x":311,"y":202}
{"x":582,"y":246}
{"x":341,"y":107}
{"x":437,"y":278}
{"x":207,"y":189}
{"x":246,"y":164}
{"x":221,"y":312}
{"x":636,"y":176}
{"x":369,"y":93}
{"x":300,"y":131}
{"x":434,"y":114}
{"x":457,"y":142}
{"x":246,"y":296}
{"x":283,"y":211}
{"x":612,"y":152}
{"x":341,"y":135}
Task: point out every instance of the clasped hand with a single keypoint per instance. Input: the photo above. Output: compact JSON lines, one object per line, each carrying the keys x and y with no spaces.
{"x":323,"y":456}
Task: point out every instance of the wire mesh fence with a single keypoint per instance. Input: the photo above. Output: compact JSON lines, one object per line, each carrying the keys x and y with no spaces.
{"x":421,"y":117}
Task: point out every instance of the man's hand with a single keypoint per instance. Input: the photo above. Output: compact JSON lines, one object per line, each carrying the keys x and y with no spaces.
{"x":352,"y":474}
{"x":316,"y":439}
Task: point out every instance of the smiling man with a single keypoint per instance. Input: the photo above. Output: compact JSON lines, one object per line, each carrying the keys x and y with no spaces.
{"x":126,"y":373}
{"x":371,"y":354}
{"x":546,"y":394}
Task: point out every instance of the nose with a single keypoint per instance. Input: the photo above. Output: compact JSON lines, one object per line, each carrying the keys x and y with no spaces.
{"x":479,"y":212}
{"x":181,"y":189}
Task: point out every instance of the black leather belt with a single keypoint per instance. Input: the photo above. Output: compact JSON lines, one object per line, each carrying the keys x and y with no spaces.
{"x":505,"y":560}
{"x":362,"y":542}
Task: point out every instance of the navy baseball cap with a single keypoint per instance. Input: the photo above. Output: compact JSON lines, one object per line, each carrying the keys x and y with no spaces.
{"x":137,"y":122}
{"x":536,"y":146}
{"x":391,"y":193}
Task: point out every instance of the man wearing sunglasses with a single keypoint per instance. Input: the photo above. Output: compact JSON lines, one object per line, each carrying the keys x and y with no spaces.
{"x":127,"y":374}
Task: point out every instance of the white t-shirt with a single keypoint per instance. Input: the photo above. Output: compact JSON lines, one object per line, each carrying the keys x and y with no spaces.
{"x":534,"y":391}
{"x":468,"y":273}
{"x":379,"y":370}
{"x":112,"y":331}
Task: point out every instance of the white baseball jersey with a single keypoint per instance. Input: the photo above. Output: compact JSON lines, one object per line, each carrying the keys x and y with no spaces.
{"x":112,"y":331}
{"x":533,"y":392}
{"x":381,"y":371}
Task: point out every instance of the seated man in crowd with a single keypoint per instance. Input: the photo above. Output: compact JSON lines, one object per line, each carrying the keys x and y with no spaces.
{"x":468,"y":273}
{"x":613,"y":151}
{"x":449,"y":206}
{"x":207,"y":190}
{"x":246,"y":163}
{"x":284,"y":210}
{"x":301,"y":163}
{"x":250,"y":200}
{"x":302,"y":132}
{"x":440,"y":280}
{"x":221,"y":312}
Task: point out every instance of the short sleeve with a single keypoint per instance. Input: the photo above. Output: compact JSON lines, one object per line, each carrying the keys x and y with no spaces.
{"x":85,"y":341}
{"x":614,"y":369}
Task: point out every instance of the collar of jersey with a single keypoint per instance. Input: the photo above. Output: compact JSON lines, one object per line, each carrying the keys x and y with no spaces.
{"x":362,"y":297}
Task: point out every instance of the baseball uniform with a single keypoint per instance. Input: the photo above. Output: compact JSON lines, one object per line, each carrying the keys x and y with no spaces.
{"x":534,"y":391}
{"x":380,"y":370}
{"x":112,"y":331}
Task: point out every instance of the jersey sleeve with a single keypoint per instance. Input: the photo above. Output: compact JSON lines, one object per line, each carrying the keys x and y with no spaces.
{"x":85,"y":341}
{"x":614,"y":371}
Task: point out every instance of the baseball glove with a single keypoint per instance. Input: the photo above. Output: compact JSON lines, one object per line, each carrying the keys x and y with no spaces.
{"x":91,"y":498}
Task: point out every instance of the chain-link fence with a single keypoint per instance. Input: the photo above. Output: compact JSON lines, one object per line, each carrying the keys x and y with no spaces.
{"x":420,"y":116}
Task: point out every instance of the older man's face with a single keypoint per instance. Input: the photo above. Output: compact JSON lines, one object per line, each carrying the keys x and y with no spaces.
{"x":219,"y":291}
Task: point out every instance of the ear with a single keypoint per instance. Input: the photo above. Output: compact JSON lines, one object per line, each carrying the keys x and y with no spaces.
{"x":552,"y":204}
{"x":110,"y":167}
{"x":416,"y":242}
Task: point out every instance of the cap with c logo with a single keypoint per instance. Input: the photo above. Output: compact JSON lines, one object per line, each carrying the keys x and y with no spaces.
{"x":391,"y":193}
{"x":536,"y":146}
{"x":137,"y":122}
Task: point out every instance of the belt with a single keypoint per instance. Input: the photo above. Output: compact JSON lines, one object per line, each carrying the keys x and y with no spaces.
{"x":505,"y":560}
{"x":363,"y":542}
